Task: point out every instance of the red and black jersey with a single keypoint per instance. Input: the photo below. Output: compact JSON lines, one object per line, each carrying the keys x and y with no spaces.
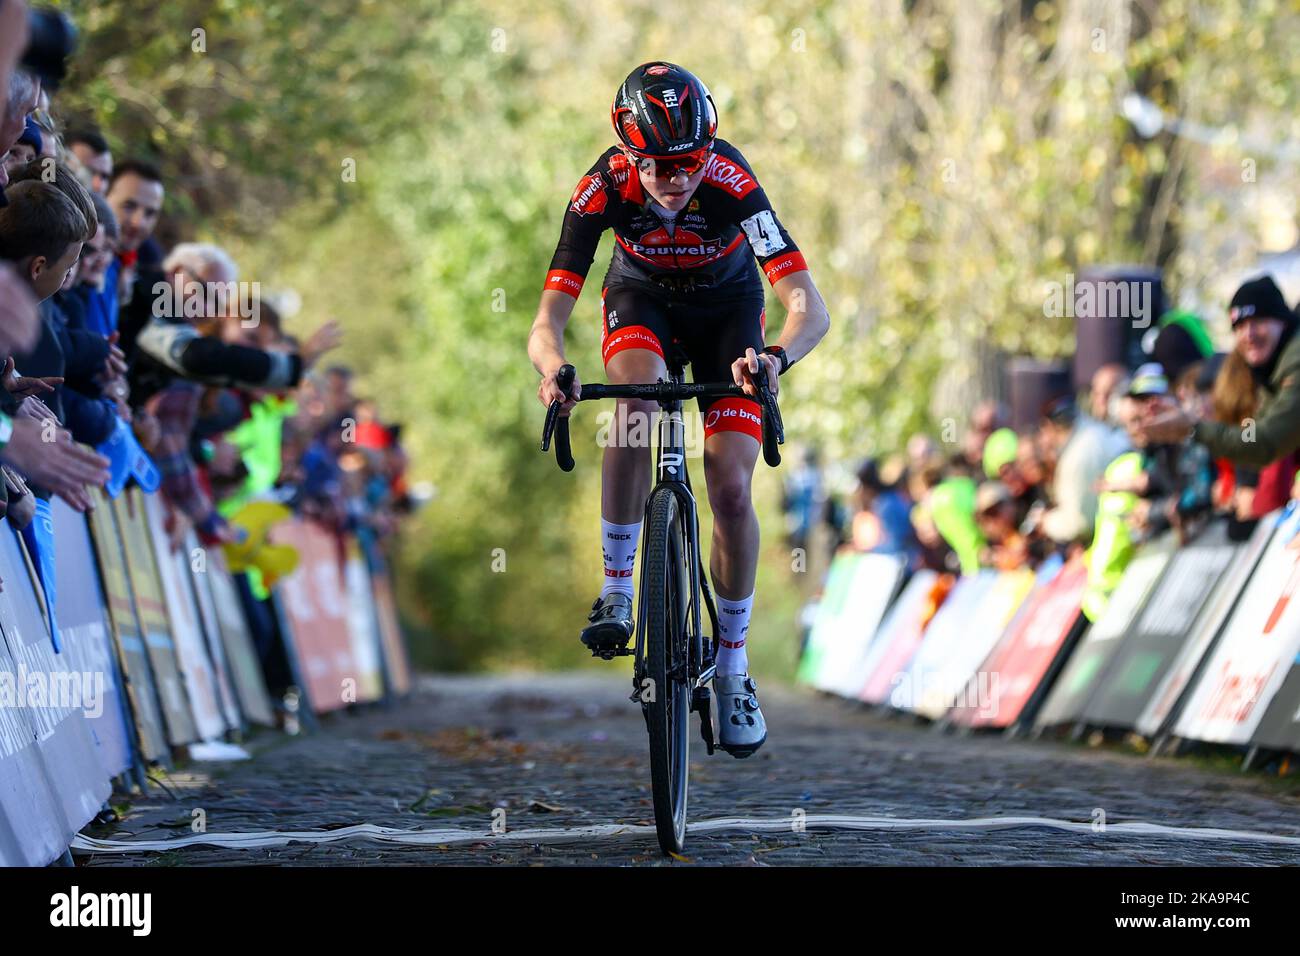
{"x":710,"y":245}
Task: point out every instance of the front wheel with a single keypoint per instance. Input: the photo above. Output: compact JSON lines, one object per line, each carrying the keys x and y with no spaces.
{"x":664,"y":594}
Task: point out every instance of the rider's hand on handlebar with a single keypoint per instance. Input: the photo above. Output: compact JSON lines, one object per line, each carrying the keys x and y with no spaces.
{"x":745,"y":368}
{"x":549,"y":391}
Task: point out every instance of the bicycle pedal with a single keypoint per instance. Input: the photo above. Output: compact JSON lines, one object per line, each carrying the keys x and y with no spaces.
{"x":700,"y":704}
{"x":608,"y":653}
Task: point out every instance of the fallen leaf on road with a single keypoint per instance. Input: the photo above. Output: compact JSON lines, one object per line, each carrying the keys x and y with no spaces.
{"x":537,"y":806}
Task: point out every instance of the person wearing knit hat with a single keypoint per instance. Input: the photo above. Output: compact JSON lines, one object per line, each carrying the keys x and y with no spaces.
{"x":1268,"y":349}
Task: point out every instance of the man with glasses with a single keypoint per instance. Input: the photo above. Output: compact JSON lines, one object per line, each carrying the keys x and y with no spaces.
{"x":689,"y":221}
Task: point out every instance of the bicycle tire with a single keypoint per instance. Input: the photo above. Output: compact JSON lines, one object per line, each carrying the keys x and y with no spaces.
{"x":667,"y":714}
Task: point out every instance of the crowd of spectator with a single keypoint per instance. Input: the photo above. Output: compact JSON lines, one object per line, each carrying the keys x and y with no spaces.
{"x":109,"y":340}
{"x":1163,"y":447}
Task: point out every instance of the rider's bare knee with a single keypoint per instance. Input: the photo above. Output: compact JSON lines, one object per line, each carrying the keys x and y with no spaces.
{"x":730,"y":499}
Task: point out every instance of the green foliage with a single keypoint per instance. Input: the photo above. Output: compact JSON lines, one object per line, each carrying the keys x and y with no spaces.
{"x":937,"y":161}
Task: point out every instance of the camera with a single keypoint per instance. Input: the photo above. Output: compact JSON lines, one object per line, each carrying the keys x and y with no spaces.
{"x":51,"y":40}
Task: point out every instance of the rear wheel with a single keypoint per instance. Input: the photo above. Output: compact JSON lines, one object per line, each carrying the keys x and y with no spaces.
{"x":664,"y":586}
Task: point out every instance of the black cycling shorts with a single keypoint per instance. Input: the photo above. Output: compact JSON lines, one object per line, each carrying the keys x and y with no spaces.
{"x":712,"y":332}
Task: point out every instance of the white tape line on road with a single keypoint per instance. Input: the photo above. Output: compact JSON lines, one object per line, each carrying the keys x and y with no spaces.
{"x":261,"y":839}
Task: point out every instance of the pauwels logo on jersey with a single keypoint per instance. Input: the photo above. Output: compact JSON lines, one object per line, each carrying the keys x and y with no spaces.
{"x":590,"y":196}
{"x":684,"y":247}
{"x":731,"y":176}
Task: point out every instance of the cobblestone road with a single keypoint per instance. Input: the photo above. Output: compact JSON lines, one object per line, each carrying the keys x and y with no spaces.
{"x":566,"y":751}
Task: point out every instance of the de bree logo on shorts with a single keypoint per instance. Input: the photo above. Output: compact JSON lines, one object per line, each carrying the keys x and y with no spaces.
{"x":716,"y":415}
{"x":590,"y":196}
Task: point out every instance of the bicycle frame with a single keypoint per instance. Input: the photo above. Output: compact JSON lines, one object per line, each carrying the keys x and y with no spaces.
{"x":671,"y":471}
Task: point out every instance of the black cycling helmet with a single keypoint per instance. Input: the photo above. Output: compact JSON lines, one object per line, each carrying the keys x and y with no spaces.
{"x":663,"y":111}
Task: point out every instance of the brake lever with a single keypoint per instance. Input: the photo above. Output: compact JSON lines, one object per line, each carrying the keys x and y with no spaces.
{"x":773,"y":429}
{"x":557,"y":425}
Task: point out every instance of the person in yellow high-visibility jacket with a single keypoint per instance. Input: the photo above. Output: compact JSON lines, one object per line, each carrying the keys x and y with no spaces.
{"x":1127,"y":479}
{"x":1112,"y":542}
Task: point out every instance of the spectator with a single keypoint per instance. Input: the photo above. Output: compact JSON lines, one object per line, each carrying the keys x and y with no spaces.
{"x":802,"y":499}
{"x":988,"y":417}
{"x":950,"y":505}
{"x":169,"y":347}
{"x":96,"y":259}
{"x":1267,"y":355}
{"x":41,"y":233}
{"x":1181,"y":342}
{"x":43,"y":236}
{"x":26,"y":149}
{"x":995,"y":511}
{"x":1107,"y":386}
{"x":24,"y":90}
{"x":1127,"y":479}
{"x":135,"y":191}
{"x":91,"y":154}
{"x":1014,"y":462}
{"x":881,"y":523}
{"x":13,"y":41}
{"x":1083,"y":449}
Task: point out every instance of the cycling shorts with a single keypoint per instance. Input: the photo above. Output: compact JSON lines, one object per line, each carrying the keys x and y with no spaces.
{"x":713,"y":332}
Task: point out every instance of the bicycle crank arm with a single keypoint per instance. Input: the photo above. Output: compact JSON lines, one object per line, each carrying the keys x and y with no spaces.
{"x":700,"y":704}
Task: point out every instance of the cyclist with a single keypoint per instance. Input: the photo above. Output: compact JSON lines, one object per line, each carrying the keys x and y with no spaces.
{"x":689,"y":221}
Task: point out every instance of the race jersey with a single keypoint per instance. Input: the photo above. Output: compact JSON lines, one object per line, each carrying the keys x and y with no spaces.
{"x":709,"y":246}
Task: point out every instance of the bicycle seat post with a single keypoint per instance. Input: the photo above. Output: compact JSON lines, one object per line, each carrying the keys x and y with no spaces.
{"x":677,"y":360}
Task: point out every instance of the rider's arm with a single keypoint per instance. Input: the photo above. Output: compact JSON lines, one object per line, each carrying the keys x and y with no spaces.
{"x":777,"y":255}
{"x":546,"y":338}
{"x":806,"y":317}
{"x":584,"y":220}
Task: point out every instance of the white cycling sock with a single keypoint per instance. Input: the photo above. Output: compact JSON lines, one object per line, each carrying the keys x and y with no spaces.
{"x":733,"y":627}
{"x":618,"y":541}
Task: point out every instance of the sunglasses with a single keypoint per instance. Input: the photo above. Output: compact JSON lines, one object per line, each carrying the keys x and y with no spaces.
{"x":668,"y":167}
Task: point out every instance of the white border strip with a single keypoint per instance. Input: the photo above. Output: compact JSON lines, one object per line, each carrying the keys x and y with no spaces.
{"x":448,"y":837}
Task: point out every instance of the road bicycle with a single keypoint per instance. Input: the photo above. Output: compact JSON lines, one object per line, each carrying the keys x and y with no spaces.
{"x":673,"y":658}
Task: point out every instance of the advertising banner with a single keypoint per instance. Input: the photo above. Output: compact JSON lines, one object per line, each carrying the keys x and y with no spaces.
{"x":397,"y":667}
{"x":1168,"y":620}
{"x":1279,"y":728}
{"x":87,"y":642}
{"x":174,"y":570}
{"x":142,"y":572}
{"x":859,"y":588}
{"x":945,"y":629}
{"x":957,"y":643}
{"x":1088,"y":665}
{"x":901,"y":633}
{"x":32,"y":830}
{"x":1194,"y":644}
{"x":312,"y":599}
{"x":217,"y":591}
{"x":201,"y":595}
{"x":363,"y":626}
{"x":1028,"y":653}
{"x":55,"y":698}
{"x":128,"y":636}
{"x":1254,"y":655}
